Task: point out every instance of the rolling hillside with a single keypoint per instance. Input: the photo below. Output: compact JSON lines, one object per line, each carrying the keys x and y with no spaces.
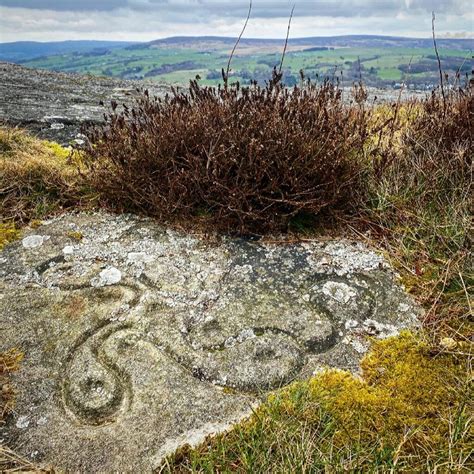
{"x":381,"y":61}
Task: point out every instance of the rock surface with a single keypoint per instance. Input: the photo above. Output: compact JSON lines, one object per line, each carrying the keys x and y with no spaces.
{"x":138,"y":339}
{"x":54,"y":105}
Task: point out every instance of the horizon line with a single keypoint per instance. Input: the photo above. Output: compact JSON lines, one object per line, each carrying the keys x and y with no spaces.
{"x":243,"y":39}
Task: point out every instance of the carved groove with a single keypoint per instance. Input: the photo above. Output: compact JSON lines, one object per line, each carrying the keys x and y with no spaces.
{"x":96,"y":390}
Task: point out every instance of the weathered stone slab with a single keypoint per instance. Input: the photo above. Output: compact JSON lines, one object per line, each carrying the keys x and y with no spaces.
{"x":138,"y":339}
{"x":54,"y":105}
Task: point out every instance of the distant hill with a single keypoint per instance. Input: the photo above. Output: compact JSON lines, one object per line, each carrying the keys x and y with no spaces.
{"x":381,"y":61}
{"x":347,"y":41}
{"x":20,"y":51}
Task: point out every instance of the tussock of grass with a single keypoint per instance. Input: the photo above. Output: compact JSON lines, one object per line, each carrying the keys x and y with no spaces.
{"x":410,"y":410}
{"x":37,"y":178}
{"x":419,"y":207}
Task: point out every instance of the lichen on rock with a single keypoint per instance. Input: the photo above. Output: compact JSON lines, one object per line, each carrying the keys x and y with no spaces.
{"x":139,"y":334}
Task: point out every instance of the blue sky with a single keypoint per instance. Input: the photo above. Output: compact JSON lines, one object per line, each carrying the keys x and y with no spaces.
{"x":143,"y":20}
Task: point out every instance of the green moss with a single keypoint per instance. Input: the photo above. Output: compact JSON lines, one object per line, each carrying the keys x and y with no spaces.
{"x":58,"y":151}
{"x":404,"y":389}
{"x":409,"y":410}
{"x":35,"y":223}
{"x":76,"y":235}
{"x":8,"y":233}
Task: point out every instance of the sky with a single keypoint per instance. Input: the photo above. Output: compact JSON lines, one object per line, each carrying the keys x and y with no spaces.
{"x":146,"y":20}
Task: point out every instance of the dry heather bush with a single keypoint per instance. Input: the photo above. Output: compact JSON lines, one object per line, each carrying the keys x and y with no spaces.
{"x":438,"y":144}
{"x":430,"y":159}
{"x":248,"y":158}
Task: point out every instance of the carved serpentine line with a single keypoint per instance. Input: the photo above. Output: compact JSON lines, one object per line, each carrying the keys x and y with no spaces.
{"x":107,"y":384}
{"x":120,"y":396}
{"x":332,"y":339}
{"x":104,"y":411}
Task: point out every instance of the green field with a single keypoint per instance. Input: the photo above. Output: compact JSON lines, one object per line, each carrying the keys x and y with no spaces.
{"x":378,"y":66}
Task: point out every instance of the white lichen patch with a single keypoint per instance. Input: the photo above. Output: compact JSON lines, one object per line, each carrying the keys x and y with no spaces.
{"x":34,"y":241}
{"x":338,"y":291}
{"x":245,"y":334}
{"x":139,"y":257}
{"x":22,"y":422}
{"x":107,"y":277}
{"x":344,"y":258}
{"x":379,"y":329}
{"x":68,"y":250}
{"x":351,"y":324}
{"x":42,"y":420}
{"x":57,"y":126}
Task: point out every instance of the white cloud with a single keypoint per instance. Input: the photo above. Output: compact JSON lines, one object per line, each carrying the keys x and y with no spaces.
{"x":144,"y":20}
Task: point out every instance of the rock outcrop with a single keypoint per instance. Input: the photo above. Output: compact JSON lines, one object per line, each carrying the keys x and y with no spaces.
{"x":55,"y":105}
{"x":138,"y":339}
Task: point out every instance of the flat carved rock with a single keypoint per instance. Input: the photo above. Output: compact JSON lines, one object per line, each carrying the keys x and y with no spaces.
{"x":139,"y":339}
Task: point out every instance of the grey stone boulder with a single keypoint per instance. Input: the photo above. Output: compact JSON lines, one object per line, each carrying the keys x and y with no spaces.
{"x":138,"y":339}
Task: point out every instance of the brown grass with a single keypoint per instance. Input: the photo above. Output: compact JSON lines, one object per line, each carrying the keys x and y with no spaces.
{"x":37,"y":178}
{"x":420,"y":207}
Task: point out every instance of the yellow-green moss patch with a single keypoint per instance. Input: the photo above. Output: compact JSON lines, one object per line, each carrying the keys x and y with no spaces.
{"x":409,"y":410}
{"x":75,"y":234}
{"x":8,"y":233}
{"x":58,"y":151}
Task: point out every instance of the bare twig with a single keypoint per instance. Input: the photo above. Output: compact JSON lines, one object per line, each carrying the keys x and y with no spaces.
{"x":458,"y":72}
{"x":226,"y":76}
{"x":468,"y":297}
{"x":399,"y":100}
{"x":360,"y":70}
{"x":433,"y":18}
{"x":286,"y":40}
